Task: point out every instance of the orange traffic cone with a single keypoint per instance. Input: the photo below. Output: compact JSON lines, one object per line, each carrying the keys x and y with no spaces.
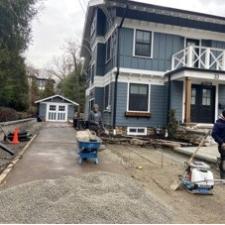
{"x":16,"y":136}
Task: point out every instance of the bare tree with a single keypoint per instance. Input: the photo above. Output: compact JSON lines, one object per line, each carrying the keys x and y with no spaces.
{"x":63,"y":65}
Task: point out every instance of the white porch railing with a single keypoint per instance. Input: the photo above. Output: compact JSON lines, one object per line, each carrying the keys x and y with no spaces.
{"x":199,"y":57}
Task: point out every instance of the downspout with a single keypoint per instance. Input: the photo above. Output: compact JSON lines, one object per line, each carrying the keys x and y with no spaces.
{"x":169,"y":99}
{"x":118,"y":70}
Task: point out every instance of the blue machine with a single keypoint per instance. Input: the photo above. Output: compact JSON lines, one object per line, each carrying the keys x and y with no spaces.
{"x":88,"y":150}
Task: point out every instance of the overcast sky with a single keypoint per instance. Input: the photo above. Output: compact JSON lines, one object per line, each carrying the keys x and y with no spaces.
{"x":62,"y":20}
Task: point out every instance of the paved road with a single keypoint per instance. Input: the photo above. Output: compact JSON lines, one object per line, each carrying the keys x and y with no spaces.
{"x":52,"y":155}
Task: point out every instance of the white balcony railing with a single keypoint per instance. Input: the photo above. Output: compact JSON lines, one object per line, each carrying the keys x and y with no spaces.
{"x":199,"y":57}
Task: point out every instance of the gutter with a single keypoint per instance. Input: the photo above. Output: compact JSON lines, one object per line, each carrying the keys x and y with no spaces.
{"x":118,"y":69}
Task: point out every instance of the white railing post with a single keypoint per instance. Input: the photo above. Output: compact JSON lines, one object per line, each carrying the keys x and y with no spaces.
{"x":207,"y":58}
{"x":223,"y":60}
{"x":173,"y":62}
{"x":190,"y":56}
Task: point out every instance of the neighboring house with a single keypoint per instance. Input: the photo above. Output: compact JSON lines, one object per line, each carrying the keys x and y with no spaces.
{"x":56,"y":109}
{"x":40,"y":77}
{"x":168,"y":58}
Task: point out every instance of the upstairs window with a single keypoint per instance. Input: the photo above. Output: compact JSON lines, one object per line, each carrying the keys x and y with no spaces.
{"x":109,"y":49}
{"x":143,"y":43}
{"x":139,"y":97}
{"x":92,"y":73}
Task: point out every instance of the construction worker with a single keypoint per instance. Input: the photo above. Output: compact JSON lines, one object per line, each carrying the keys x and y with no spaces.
{"x":218,"y":134}
{"x":95,"y":120}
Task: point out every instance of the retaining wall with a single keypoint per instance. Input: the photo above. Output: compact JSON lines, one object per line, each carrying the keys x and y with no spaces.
{"x":21,"y":124}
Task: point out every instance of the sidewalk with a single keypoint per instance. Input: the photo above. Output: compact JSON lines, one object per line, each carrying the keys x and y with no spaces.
{"x":208,"y":154}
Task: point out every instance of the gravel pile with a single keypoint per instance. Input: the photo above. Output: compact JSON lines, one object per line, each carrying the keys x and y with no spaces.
{"x":92,"y":198}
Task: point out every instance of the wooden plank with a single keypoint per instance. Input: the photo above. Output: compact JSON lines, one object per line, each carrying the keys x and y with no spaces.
{"x":137,"y":114}
{"x":187,"y":100}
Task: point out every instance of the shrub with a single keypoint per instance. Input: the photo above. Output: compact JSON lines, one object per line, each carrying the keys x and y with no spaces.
{"x":172,"y":125}
{"x":8,"y":114}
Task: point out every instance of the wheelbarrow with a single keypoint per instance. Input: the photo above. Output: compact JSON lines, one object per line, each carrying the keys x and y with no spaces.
{"x":88,"y":151}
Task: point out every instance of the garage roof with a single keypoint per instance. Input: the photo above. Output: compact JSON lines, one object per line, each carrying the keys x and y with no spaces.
{"x":56,"y":96}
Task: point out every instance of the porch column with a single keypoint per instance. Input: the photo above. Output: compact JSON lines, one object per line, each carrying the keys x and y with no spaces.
{"x":187,"y":108}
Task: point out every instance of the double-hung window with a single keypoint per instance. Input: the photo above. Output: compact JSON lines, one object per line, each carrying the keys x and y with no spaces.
{"x":92,"y":73}
{"x":107,"y":97}
{"x":143,"y":43}
{"x":138,"y":98}
{"x":109,"y":49}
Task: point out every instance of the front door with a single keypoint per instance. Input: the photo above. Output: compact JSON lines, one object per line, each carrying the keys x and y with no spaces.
{"x":202,"y":104}
{"x":57,"y":112}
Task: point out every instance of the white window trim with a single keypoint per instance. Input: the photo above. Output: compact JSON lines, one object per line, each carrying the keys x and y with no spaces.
{"x":149,"y":97}
{"x":110,"y":54}
{"x":56,"y":111}
{"x":137,"y":133}
{"x":91,"y":99}
{"x":108,"y":108}
{"x":93,"y":64}
{"x":152,"y":44}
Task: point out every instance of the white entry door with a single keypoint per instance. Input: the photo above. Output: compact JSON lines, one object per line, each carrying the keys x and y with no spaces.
{"x":56,"y":112}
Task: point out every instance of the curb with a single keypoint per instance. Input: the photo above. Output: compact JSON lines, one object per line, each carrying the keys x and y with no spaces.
{"x":11,"y":165}
{"x":207,"y":158}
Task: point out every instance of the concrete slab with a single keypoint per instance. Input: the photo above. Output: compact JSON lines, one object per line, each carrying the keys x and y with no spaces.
{"x":208,"y":154}
{"x":52,"y":155}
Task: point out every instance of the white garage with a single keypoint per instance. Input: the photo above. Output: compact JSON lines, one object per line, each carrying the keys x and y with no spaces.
{"x":56,"y":109}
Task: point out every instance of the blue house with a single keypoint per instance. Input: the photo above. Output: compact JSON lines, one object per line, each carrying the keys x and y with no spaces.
{"x":164,"y":59}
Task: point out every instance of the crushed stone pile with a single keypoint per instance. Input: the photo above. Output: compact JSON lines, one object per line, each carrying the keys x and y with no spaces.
{"x":91,"y":198}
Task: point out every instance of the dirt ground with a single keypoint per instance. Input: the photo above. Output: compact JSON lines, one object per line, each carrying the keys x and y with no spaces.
{"x":156,"y":170}
{"x":6,"y":158}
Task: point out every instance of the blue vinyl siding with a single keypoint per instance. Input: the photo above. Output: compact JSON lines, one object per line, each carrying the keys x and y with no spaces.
{"x":164,"y":46}
{"x":218,"y":44}
{"x":101,"y":23}
{"x":42,"y":107}
{"x":100,"y":61}
{"x":221,"y":96}
{"x":158,"y":108}
{"x":71,"y":111}
{"x":99,"y":97}
{"x":177,"y":98}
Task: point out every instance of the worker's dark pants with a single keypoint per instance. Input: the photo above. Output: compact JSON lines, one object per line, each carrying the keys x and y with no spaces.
{"x":222,"y":162}
{"x":97,"y":129}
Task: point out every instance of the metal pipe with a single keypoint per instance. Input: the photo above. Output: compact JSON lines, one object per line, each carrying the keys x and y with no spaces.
{"x":118,"y":69}
{"x":169,"y":98}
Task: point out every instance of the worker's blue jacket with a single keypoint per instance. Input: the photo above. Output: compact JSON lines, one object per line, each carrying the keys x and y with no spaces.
{"x":218,"y":132}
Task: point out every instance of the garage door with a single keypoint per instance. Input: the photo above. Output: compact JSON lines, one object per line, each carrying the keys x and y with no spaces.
{"x":56,"y":112}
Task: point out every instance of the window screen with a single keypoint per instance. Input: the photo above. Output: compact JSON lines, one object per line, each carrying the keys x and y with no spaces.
{"x":143,"y":43}
{"x":138,"y":97}
{"x":52,"y":107}
{"x":206,"y":97}
{"x":193,"y":96}
{"x":62,"y":108}
{"x":92,"y":73}
{"x":109,"y":49}
{"x":106,"y":96}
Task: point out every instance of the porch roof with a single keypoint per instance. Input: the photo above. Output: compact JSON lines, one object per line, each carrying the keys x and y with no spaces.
{"x":196,"y":73}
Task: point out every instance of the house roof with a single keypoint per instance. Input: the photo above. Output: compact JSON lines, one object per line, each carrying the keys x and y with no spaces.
{"x":55,"y":96}
{"x":153,"y":13}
